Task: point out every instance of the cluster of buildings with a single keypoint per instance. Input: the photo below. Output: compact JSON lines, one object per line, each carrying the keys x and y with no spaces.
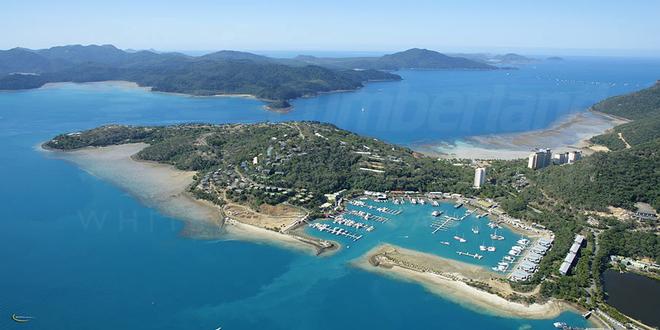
{"x":530,"y":262}
{"x":572,"y":255}
{"x":636,"y":264}
{"x":544,"y":157}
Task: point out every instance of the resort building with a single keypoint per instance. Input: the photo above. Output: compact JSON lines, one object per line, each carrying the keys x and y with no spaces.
{"x":559,"y":159}
{"x":572,"y":255}
{"x":540,"y":158}
{"x":574,"y":156}
{"x":479,"y":177}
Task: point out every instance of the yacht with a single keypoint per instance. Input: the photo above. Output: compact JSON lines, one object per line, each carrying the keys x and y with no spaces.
{"x":436,"y":213}
{"x":460,"y":239}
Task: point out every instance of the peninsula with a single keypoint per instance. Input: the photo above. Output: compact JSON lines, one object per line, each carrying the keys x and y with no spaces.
{"x":278,"y":177}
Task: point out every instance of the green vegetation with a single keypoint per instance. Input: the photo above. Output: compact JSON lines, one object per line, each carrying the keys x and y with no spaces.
{"x":296,"y":162}
{"x":637,"y":105}
{"x":623,"y":240}
{"x":562,"y":199}
{"x":618,"y":178}
{"x":642,"y":107}
{"x":218,"y":73}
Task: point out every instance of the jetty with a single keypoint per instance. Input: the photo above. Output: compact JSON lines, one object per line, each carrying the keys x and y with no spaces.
{"x":473,"y":255}
{"x":442,"y":224}
{"x":382,"y":209}
{"x":338,"y":231}
{"x":367,"y":216}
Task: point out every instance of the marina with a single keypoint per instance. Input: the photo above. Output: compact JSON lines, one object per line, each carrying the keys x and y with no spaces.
{"x":456,"y":232}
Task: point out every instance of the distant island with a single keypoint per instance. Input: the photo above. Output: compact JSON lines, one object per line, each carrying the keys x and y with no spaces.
{"x":275,"y":81}
{"x":414,"y":58}
{"x":500,"y":60}
{"x":554,"y":58}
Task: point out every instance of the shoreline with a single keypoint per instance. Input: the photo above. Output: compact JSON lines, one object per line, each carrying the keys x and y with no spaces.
{"x":164,"y":188}
{"x":133,"y":85}
{"x":571,"y":132}
{"x":451,"y":284}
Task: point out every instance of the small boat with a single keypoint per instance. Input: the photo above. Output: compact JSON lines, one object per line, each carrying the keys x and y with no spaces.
{"x":475,"y":230}
{"x":436,"y":213}
{"x":413,"y":201}
{"x":422,"y":202}
{"x":434,"y":203}
{"x":560,"y":325}
{"x":509,"y":258}
{"x":495,"y":236}
{"x":460,"y":239}
{"x":523,"y":241}
{"x":482,"y":248}
{"x":444,"y":243}
{"x":587,"y":314}
{"x":21,"y":319}
{"x":458,"y":205}
{"x":491,"y":249}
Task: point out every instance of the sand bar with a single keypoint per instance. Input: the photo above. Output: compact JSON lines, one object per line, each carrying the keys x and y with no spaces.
{"x":570,"y":132}
{"x":164,"y":188}
{"x":447,"y":278}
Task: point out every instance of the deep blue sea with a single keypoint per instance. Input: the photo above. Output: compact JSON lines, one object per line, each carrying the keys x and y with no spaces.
{"x":79,"y":253}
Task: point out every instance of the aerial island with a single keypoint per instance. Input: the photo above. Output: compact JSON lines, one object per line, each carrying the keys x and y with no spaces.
{"x":320,"y":188}
{"x":276,"y":81}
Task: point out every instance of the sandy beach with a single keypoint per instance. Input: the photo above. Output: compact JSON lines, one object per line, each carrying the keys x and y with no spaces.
{"x":98,"y":85}
{"x":164,"y":188}
{"x":447,"y":277}
{"x":571,"y":132}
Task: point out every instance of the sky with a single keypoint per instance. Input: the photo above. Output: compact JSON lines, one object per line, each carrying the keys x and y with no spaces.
{"x":580,"y":27}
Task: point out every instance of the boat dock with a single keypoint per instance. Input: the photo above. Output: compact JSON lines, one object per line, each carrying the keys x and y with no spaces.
{"x":367,"y":216}
{"x":473,"y":255}
{"x":382,"y":209}
{"x":324,"y":227}
{"x":442,"y":225}
{"x":352,"y":223}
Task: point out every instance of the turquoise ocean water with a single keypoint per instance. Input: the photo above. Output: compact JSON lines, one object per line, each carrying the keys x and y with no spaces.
{"x":79,"y":253}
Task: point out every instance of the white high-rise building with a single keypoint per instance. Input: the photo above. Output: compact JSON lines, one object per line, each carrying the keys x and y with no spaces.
{"x":573,"y":156}
{"x":479,"y":177}
{"x":540,"y":159}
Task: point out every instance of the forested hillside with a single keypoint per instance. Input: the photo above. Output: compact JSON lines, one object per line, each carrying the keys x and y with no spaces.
{"x":225,"y":72}
{"x":642,"y":107}
{"x":303,"y":159}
